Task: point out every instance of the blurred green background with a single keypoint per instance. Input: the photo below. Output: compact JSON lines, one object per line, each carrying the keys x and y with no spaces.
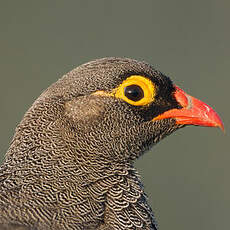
{"x":186,"y":175}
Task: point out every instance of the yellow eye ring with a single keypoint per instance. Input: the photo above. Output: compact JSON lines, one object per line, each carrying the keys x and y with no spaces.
{"x":141,"y":82}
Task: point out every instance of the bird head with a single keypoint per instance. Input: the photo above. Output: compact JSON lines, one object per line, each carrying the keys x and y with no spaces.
{"x":111,"y":109}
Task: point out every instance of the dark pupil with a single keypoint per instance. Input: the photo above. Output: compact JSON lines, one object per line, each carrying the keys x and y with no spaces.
{"x":134,"y":92}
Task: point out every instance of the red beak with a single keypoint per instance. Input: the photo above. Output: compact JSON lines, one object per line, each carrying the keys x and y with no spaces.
{"x":193,"y":112}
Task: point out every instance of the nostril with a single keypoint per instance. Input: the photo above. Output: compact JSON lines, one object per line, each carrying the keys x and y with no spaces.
{"x":182,"y":98}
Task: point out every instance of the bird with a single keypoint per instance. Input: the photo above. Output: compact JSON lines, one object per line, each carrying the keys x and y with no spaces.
{"x":70,"y":164}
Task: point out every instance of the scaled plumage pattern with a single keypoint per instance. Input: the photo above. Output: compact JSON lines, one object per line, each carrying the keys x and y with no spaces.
{"x":70,"y":163}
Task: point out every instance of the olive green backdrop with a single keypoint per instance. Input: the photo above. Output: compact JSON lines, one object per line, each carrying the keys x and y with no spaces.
{"x":186,"y":175}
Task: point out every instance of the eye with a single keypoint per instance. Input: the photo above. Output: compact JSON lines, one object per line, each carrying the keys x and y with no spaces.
{"x":134,"y":92}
